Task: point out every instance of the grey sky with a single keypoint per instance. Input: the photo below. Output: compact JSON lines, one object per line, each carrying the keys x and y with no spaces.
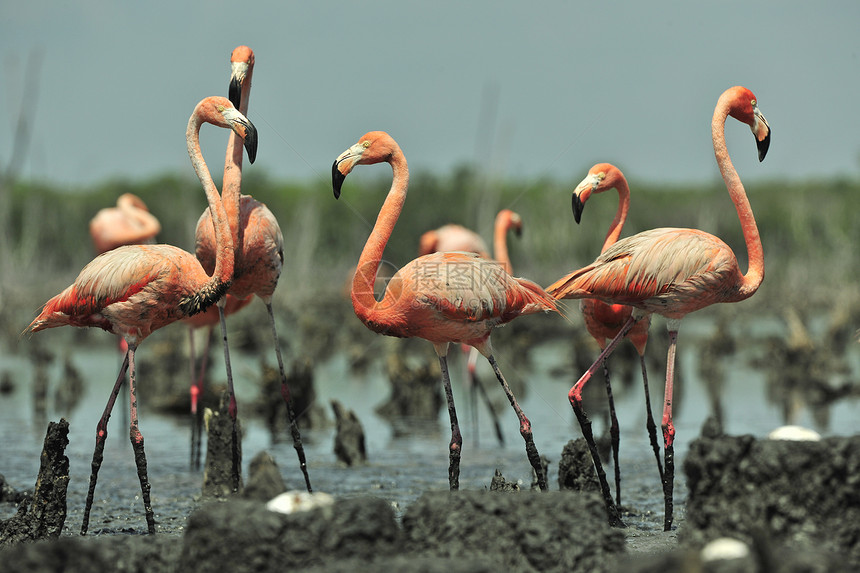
{"x":524,"y":89}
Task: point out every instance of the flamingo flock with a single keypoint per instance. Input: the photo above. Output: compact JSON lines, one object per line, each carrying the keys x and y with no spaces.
{"x":455,"y":291}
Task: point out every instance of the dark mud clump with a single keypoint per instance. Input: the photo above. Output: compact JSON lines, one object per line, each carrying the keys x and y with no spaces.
{"x":525,"y":531}
{"x":45,"y":515}
{"x":217,"y":477}
{"x":349,"y":446}
{"x":576,"y":469}
{"x":802,"y":495}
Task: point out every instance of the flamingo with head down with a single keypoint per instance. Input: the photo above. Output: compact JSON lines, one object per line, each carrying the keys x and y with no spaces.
{"x":673,"y":272}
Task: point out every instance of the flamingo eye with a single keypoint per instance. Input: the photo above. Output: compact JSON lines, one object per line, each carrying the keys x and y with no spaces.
{"x":365,"y":144}
{"x":752,"y":103}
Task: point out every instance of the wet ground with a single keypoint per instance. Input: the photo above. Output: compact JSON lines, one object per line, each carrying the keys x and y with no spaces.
{"x":406,"y":459}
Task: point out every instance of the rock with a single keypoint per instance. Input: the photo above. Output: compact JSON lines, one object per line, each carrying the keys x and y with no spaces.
{"x":349,"y":440}
{"x":576,"y":469}
{"x":45,"y":515}
{"x":798,"y":494}
{"x":217,"y":476}
{"x":361,"y":529}
{"x":530,"y":531}
{"x":264,"y":479}
{"x":499,"y":483}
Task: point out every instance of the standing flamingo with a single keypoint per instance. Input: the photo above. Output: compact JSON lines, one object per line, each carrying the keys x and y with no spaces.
{"x":259,"y":252}
{"x":603,"y":321}
{"x":452,"y":237}
{"x":129,"y":223}
{"x":673,"y":272}
{"x":135,"y":290}
{"x":441,"y":297}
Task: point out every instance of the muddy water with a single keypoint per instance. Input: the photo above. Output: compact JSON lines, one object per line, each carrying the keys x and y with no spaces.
{"x":400,"y":466}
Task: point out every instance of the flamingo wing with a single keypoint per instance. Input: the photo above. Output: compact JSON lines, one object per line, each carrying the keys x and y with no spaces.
{"x":654,"y":267}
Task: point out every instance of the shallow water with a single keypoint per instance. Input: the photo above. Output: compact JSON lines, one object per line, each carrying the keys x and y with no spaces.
{"x":400,"y":467}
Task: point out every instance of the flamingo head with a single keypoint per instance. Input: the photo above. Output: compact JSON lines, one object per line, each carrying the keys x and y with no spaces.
{"x":372,"y":147}
{"x":602,"y":177}
{"x":512,"y":220}
{"x":744,"y":107}
{"x":221,"y":112}
{"x":241,"y":67}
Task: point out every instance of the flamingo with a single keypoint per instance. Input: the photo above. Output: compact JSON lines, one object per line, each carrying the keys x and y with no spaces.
{"x":452,"y":237}
{"x":673,"y":272}
{"x":207,"y":320}
{"x":602,"y":320}
{"x":441,"y":297}
{"x":134,"y":290}
{"x":259,"y":252}
{"x":129,"y":223}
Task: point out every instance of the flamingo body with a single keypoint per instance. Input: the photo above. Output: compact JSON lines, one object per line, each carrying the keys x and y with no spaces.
{"x":129,"y":223}
{"x":452,"y":238}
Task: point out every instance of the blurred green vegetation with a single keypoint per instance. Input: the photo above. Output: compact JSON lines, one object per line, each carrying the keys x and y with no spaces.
{"x":809,"y":230}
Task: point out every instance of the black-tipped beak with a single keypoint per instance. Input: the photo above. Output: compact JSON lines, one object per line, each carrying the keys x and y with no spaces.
{"x":234,"y":92}
{"x":336,"y":180}
{"x":763,"y":145}
{"x":577,"y":205}
{"x":250,"y":140}
{"x":518,"y":231}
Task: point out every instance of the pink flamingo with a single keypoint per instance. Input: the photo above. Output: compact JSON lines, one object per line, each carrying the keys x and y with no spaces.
{"x":134,"y":290}
{"x":448,"y":238}
{"x":259,"y":251}
{"x":603,"y":321}
{"x":129,"y":223}
{"x":673,"y":272}
{"x":441,"y":297}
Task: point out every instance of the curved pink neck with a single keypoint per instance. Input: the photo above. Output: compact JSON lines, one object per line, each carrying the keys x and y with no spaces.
{"x":620,"y":214}
{"x":224,"y":257}
{"x":232,"y":182}
{"x":363,"y":301}
{"x":500,"y":242}
{"x":755,"y":273}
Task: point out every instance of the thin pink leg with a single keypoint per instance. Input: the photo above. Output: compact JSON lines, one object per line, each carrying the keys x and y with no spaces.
{"x":614,"y":434}
{"x":525,"y":427}
{"x":137,"y":444}
{"x":575,"y":398}
{"x":649,"y":418}
{"x":231,"y":408}
{"x":669,"y":433}
{"x":291,"y":415}
{"x":455,"y":446}
{"x":101,"y":436}
{"x":197,"y":382}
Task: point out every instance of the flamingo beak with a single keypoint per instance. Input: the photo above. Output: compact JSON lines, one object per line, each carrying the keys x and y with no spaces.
{"x":577,"y":205}
{"x":761,"y":131}
{"x":250,"y":139}
{"x":337,"y":179}
{"x":518,"y":231}
{"x":343,"y":166}
{"x":238,"y":74}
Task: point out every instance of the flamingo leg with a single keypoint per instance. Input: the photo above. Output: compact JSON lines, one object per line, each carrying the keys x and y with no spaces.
{"x":455,"y":446}
{"x":477,"y":385}
{"x":101,"y":436}
{"x":649,"y":419}
{"x":473,"y":391}
{"x":525,"y":427}
{"x":614,"y":434}
{"x":137,"y":444}
{"x":575,"y":398}
{"x":232,"y":407}
{"x":669,"y":433}
{"x":197,"y":382}
{"x":291,"y":415}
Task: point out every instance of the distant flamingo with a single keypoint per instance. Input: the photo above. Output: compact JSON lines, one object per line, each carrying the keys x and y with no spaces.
{"x":135,"y":290}
{"x":441,"y":297}
{"x":603,"y":320}
{"x":673,"y":272}
{"x":129,"y":223}
{"x":259,"y":250}
{"x":452,"y":237}
{"x":207,"y":319}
